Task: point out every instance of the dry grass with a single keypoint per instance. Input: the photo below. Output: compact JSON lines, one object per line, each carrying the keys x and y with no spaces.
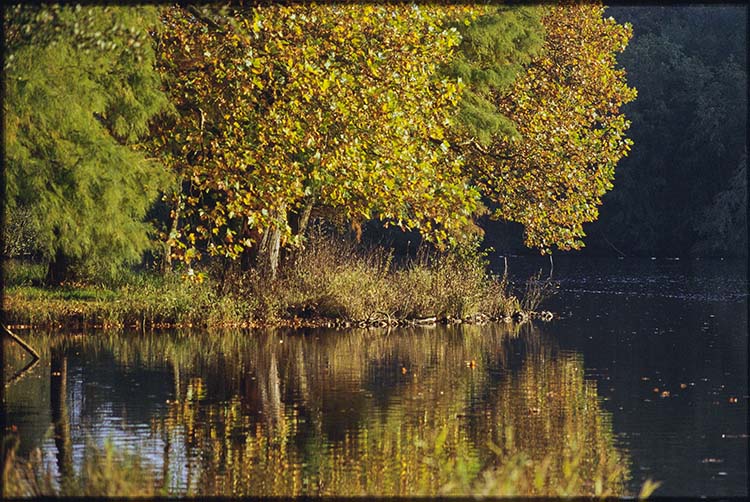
{"x":332,"y":278}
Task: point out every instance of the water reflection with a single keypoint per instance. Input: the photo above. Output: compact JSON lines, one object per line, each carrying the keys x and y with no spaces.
{"x":449,"y":410}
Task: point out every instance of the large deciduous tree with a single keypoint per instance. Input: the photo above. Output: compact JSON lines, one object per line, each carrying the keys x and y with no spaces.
{"x":283,"y":106}
{"x":80,"y":90}
{"x":372,"y":111}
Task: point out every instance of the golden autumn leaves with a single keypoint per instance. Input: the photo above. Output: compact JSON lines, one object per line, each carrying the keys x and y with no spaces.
{"x":566,"y":107}
{"x":345,"y":107}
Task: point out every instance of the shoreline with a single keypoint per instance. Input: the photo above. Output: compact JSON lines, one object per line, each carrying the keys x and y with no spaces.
{"x":329,"y":284}
{"x":21,"y":320}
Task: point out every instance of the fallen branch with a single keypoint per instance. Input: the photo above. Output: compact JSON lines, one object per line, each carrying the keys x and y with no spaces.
{"x":377,"y":318}
{"x":28,"y":348}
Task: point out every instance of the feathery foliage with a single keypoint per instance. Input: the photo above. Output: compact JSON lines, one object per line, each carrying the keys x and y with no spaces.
{"x":494,"y":48}
{"x":80,"y":90}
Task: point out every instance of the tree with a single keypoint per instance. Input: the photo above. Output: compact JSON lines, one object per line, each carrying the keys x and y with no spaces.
{"x":80,"y":90}
{"x":284,"y":106}
{"x":566,"y":110}
{"x":724,"y":223}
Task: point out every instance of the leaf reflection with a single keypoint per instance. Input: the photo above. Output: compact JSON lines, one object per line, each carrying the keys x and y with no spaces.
{"x":338,"y":416}
{"x":333,"y":413}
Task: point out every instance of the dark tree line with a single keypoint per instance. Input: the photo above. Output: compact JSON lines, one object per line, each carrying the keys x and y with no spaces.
{"x":683,"y":189}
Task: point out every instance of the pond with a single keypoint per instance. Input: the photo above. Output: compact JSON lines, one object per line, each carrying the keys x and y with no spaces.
{"x":644,"y":376}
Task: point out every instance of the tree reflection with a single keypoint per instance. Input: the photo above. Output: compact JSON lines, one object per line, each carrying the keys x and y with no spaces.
{"x":60,"y":416}
{"x":492,"y":410}
{"x":410,"y":413}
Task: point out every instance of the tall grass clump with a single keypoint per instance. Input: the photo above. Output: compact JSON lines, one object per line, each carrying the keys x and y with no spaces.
{"x":565,"y":476}
{"x":536,"y":292}
{"x":104,"y":473}
{"x":333,"y":277}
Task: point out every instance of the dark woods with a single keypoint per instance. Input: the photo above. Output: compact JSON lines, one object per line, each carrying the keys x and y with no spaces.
{"x":683,"y":189}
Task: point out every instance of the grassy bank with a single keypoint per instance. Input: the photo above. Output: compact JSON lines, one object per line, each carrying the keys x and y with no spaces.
{"x":331,"y":282}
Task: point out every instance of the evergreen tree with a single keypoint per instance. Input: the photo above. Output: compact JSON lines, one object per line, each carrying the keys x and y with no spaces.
{"x":494,"y":48}
{"x":80,"y":90}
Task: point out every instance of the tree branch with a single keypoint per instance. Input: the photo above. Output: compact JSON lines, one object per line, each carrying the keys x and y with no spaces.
{"x":202,"y":17}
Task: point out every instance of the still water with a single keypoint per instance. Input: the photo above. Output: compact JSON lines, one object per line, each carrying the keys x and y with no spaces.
{"x":645,"y":375}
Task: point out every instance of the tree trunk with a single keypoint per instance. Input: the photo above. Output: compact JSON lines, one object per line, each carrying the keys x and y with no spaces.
{"x":270,"y":246}
{"x":167,"y":262}
{"x":304,"y":218}
{"x":58,"y":270}
{"x":268,"y":252}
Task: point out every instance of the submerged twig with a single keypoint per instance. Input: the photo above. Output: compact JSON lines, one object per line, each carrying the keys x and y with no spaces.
{"x":551,"y":267}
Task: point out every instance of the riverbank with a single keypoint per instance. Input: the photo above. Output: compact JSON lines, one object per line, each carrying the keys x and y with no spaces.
{"x":331,"y":283}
